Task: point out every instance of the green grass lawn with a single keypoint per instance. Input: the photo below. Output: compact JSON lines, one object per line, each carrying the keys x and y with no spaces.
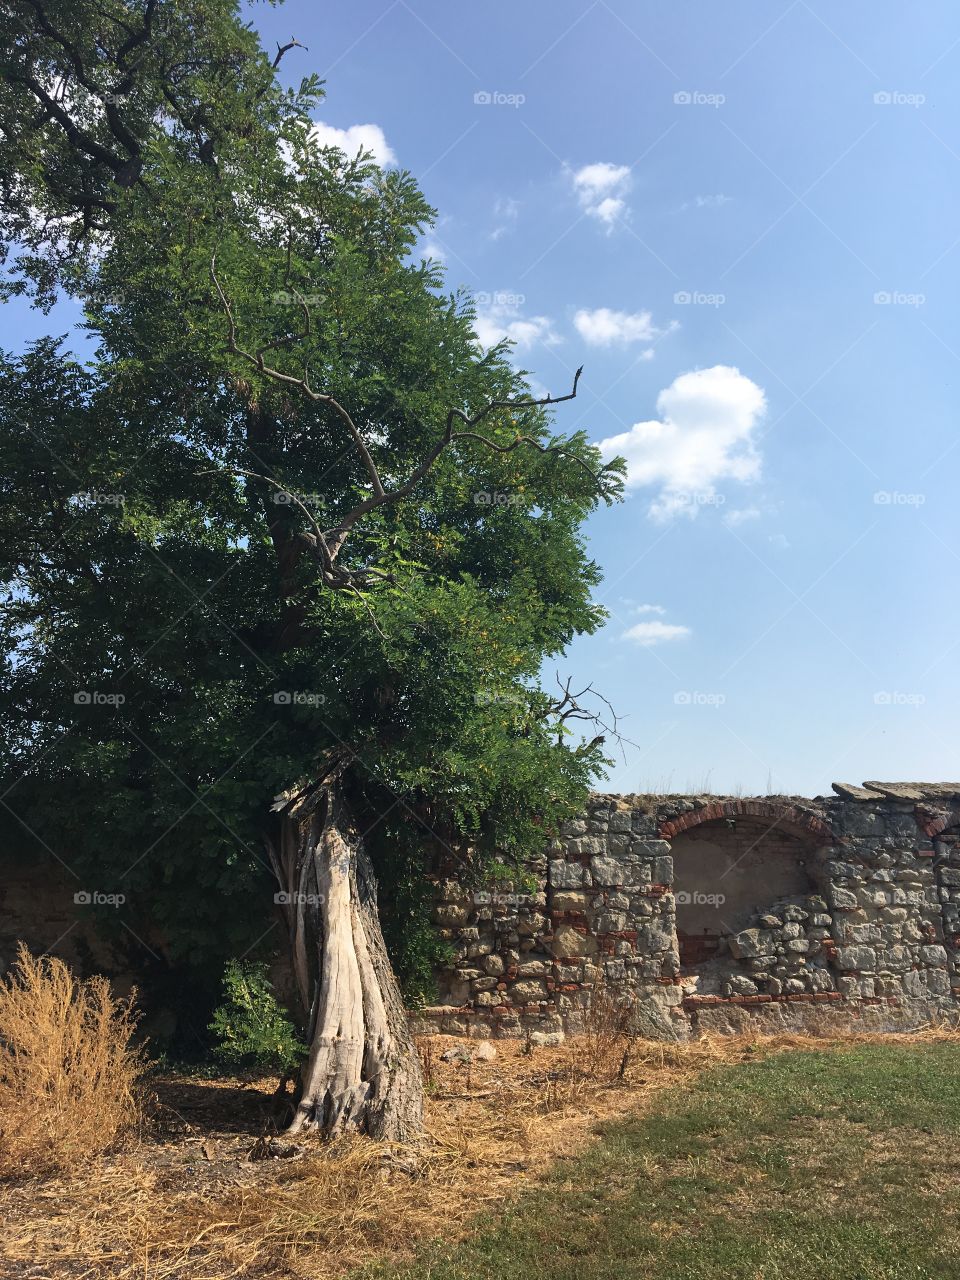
{"x":838,"y":1165}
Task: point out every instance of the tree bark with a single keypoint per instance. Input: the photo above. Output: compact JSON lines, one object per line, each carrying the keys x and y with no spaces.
{"x":363,"y":1070}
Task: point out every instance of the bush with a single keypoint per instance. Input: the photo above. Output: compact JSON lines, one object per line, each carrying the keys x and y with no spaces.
{"x":68,"y":1067}
{"x":251,"y":1026}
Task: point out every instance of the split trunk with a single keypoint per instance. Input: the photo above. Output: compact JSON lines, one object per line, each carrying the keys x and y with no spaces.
{"x":363,"y":1070}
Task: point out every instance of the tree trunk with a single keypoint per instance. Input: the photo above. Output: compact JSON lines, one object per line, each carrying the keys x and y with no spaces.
{"x":363,"y":1071}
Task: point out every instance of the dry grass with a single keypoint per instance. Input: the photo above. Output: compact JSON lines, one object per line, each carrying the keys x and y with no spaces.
{"x":68,"y":1070}
{"x":193,"y":1205}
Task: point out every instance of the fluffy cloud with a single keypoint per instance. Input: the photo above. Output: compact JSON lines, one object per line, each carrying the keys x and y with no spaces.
{"x":359,"y":137}
{"x":705,"y":434}
{"x":605,"y":328}
{"x":502,"y":320}
{"x":648,"y":608}
{"x":601,"y":189}
{"x":651,"y":633}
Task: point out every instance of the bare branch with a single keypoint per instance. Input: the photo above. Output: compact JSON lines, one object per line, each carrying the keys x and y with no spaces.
{"x":568,"y":706}
{"x":292,"y":43}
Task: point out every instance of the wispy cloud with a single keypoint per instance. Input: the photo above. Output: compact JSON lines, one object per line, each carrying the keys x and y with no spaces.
{"x":741,"y":515}
{"x":430,"y":249}
{"x":707,"y":202}
{"x":506,"y":211}
{"x":497,"y":321}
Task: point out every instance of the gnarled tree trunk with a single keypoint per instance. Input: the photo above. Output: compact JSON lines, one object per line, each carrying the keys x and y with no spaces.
{"x":363,"y":1071}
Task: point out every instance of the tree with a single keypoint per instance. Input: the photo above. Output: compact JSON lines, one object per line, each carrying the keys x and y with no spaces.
{"x":316,"y":539}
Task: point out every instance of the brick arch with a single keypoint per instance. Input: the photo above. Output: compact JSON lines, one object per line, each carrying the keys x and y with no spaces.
{"x":787,"y":816}
{"x":933,"y":827}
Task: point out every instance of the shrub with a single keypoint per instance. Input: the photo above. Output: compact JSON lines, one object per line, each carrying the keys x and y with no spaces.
{"x":68,"y":1067}
{"x":251,"y":1026}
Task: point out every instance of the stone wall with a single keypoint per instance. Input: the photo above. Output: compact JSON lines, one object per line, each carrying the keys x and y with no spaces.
{"x":718,"y":913}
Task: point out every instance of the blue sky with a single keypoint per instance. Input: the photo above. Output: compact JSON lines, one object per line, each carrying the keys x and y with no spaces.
{"x":743,"y":220}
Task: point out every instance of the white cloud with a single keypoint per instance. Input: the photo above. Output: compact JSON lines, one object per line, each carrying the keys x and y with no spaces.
{"x":741,"y":516}
{"x":499,"y":320}
{"x":648,"y":608}
{"x":705,"y":434}
{"x":359,"y":137}
{"x":707,"y":202}
{"x":601,"y":189}
{"x":506,"y":211}
{"x":651,"y":633}
{"x":603,"y":327}
{"x":431,"y":249}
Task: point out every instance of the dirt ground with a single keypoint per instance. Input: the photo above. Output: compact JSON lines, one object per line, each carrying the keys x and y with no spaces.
{"x":210,"y":1191}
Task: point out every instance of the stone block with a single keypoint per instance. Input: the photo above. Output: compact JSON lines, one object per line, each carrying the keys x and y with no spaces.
{"x":565,"y":875}
{"x":568,"y":942}
{"x":752,"y":942}
{"x":844,"y":900}
{"x":608,"y":871}
{"x":856,"y":957}
{"x":528,"y":991}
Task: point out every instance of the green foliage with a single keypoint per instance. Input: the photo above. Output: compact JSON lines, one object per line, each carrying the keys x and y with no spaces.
{"x":251,"y":1027}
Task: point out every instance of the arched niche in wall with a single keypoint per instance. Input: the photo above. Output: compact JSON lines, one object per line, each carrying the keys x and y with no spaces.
{"x":734,"y":860}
